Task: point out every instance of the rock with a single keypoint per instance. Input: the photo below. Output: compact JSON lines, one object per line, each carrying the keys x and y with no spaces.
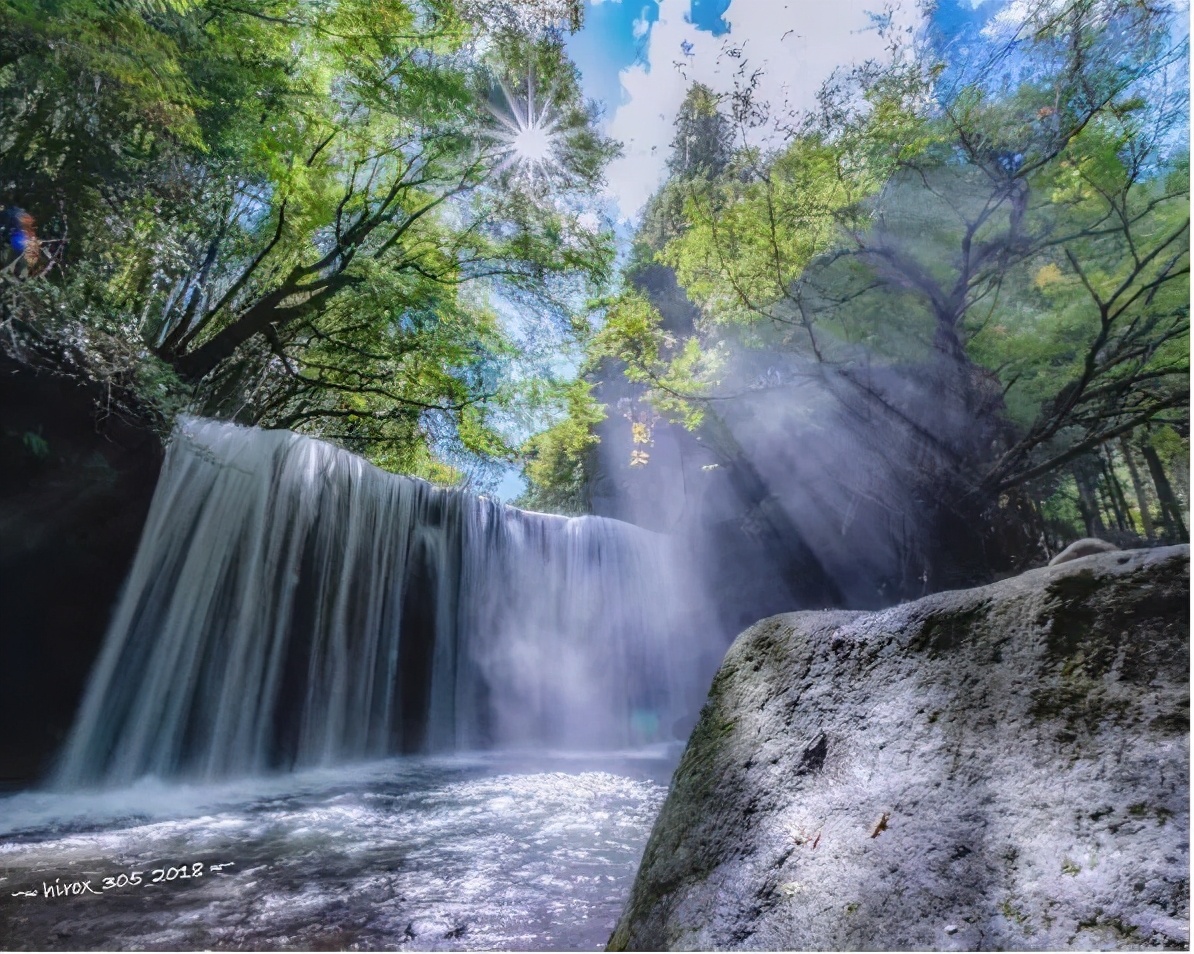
{"x":1087,"y":546}
{"x":996,"y":768}
{"x":74,"y":492}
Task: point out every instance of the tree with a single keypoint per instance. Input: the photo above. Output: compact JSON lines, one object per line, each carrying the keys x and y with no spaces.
{"x":702,"y":145}
{"x":303,"y":209}
{"x":1016,"y":228}
{"x":556,"y":457}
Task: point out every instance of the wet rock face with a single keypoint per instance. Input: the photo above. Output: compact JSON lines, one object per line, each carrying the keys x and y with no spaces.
{"x":997,"y":768}
{"x":75,"y":486}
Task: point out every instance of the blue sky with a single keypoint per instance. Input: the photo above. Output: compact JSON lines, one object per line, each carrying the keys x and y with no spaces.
{"x":638,"y":57}
{"x":616,"y":34}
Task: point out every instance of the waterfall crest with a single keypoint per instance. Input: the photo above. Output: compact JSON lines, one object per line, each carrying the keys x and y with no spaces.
{"x":290,"y":605}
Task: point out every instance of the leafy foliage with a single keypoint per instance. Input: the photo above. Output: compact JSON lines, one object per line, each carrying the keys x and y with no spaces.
{"x":556,"y":457}
{"x":1014,"y":228}
{"x":298,"y":207}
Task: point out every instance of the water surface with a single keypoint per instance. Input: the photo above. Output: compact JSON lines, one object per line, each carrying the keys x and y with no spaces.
{"x":447,"y":853}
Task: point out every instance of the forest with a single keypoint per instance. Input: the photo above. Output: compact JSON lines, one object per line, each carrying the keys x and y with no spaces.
{"x":407,"y":542}
{"x":382,"y":223}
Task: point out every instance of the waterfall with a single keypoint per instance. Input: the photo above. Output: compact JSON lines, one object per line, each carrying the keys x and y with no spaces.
{"x":290,"y":605}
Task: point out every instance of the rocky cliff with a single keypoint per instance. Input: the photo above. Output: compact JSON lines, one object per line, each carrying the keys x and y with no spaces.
{"x":75,"y":487}
{"x":1003,"y":767}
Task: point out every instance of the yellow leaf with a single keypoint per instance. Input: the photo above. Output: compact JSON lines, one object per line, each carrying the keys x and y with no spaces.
{"x":1048,"y":275}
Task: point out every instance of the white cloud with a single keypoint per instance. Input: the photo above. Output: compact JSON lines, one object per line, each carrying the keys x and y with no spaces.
{"x":796,"y":43}
{"x":1010,"y":19}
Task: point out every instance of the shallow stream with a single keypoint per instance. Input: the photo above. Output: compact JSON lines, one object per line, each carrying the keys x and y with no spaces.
{"x":495,"y":851}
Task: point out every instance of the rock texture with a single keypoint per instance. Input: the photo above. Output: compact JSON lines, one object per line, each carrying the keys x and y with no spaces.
{"x":1087,"y":546}
{"x":998,"y":768}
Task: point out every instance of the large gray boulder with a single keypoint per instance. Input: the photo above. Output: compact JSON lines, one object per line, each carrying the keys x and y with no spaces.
{"x":1003,"y":767}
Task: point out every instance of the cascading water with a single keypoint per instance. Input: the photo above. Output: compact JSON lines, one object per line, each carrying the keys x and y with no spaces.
{"x":292,"y":605}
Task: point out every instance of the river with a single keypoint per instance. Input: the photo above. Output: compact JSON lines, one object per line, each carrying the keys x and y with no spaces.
{"x":464,"y":852}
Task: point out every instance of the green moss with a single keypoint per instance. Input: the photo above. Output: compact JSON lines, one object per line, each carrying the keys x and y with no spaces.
{"x":35,"y":444}
{"x":1009,"y":911}
{"x":1143,"y":810}
{"x":1127,"y":932}
{"x":711,"y":728}
{"x":1070,"y":618}
{"x":945,"y":633}
{"x":1078,"y":698}
{"x":720,"y":681}
{"x":1176,"y":722}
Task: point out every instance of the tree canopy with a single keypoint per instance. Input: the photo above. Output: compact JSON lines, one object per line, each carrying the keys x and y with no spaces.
{"x":301,"y":214}
{"x":1009,"y":228}
{"x":347,"y":218}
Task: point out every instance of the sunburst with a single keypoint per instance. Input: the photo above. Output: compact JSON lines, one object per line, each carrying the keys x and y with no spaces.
{"x":528,"y":135}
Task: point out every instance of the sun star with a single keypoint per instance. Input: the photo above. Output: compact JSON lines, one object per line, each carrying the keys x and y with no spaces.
{"x":528,"y":135}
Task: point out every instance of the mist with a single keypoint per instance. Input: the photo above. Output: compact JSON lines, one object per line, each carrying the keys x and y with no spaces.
{"x":293,"y":606}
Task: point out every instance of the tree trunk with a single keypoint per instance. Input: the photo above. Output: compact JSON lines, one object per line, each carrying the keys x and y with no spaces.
{"x":954,"y":369}
{"x":1114,"y":493}
{"x":198,"y":364}
{"x":1171,"y":511}
{"x":1088,"y":503}
{"x":198,"y":289}
{"x":1118,"y":487}
{"x":1040,"y":524}
{"x":1146,"y":518}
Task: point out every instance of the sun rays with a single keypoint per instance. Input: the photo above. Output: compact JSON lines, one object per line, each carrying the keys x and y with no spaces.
{"x":528,"y":135}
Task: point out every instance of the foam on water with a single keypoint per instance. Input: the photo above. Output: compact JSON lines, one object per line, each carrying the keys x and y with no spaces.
{"x":424,"y":853}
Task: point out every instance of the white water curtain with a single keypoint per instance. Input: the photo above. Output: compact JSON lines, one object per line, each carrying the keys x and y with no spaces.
{"x":290,"y":604}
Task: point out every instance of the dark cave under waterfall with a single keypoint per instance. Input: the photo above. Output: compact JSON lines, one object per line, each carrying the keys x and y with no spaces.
{"x":292,"y":605}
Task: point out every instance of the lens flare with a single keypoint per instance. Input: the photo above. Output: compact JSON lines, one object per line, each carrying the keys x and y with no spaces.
{"x":528,"y":135}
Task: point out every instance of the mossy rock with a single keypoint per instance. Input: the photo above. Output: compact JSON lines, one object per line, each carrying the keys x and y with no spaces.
{"x":915,"y":778}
